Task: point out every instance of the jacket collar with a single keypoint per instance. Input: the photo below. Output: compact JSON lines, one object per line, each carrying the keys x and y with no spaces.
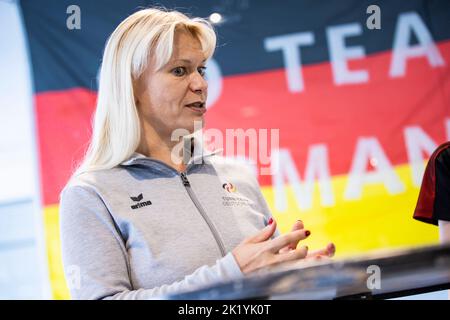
{"x":191,"y":143}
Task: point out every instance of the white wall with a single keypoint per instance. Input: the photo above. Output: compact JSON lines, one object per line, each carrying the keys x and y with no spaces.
{"x":23,"y":260}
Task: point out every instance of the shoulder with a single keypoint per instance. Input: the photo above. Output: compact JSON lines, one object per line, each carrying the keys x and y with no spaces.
{"x":442,"y":153}
{"x":233,"y":166}
{"x":439,"y":162}
{"x":239,"y":172}
{"x":90,"y":183}
{"x":83,"y":195}
{"x":433,"y":195}
{"x":76,"y":192}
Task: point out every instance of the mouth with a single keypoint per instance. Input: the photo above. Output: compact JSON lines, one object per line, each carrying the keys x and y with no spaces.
{"x":198,"y":107}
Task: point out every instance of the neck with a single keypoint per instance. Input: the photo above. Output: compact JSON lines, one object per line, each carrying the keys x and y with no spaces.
{"x":162,"y":148}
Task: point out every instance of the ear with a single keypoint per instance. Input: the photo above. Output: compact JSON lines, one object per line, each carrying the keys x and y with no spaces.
{"x":136,"y":91}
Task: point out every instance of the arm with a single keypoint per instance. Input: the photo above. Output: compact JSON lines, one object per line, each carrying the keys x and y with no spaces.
{"x":444,"y":236}
{"x":95,"y":257}
{"x":444,"y":231}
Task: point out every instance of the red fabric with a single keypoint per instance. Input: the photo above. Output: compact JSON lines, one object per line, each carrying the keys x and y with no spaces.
{"x":425,"y":204}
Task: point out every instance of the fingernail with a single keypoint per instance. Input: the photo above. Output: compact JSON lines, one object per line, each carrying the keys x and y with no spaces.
{"x":332,"y":251}
{"x":299,"y":221}
{"x":270,"y":221}
{"x":307,"y":233}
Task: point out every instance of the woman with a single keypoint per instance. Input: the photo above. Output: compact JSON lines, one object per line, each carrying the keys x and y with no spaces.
{"x":138,"y":222}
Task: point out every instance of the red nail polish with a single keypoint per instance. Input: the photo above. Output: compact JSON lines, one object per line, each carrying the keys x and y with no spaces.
{"x":270,"y":221}
{"x":307,"y":233}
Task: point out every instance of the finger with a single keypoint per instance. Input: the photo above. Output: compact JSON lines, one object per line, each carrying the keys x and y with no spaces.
{"x":298,"y":225}
{"x":299,"y":253}
{"x":328,"y":251}
{"x":295,"y":236}
{"x":318,"y":258}
{"x":265,"y":233}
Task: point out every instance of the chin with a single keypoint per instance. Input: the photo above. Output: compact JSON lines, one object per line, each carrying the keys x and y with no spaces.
{"x":196,"y":124}
{"x":188,"y":127}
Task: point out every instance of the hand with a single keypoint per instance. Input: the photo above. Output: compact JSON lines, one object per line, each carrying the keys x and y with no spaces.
{"x":260,"y":251}
{"x":324,"y":253}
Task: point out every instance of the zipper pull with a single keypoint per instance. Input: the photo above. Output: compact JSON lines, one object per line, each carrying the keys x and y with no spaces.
{"x":185,"y":180}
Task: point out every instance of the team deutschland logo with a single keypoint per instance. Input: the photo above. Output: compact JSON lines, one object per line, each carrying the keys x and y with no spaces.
{"x":229,"y":187}
{"x":233,"y":200}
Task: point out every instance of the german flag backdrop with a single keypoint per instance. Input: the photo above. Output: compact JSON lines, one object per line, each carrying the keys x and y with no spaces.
{"x":359,"y":106}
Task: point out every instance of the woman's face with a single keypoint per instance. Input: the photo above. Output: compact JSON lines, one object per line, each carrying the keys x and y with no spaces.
{"x":165,"y":97}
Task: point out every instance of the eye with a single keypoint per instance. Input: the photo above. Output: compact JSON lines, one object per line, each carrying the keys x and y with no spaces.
{"x":202,"y":71}
{"x":179,"y":71}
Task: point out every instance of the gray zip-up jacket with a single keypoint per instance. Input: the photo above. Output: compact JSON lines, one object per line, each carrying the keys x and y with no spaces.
{"x":142,"y":230}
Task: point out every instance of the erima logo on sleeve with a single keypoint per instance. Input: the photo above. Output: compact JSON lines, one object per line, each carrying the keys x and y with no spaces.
{"x":139,"y":204}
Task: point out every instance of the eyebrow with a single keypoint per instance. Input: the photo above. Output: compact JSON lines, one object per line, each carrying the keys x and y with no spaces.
{"x":187,"y":60}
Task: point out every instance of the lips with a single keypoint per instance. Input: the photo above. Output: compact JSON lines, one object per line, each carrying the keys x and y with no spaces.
{"x":197,"y":104}
{"x":197,"y":107}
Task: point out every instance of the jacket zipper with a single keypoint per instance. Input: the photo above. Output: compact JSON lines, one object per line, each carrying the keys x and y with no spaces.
{"x":199,"y":207}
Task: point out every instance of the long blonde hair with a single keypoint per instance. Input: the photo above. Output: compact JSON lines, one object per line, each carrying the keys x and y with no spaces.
{"x":116,"y":129}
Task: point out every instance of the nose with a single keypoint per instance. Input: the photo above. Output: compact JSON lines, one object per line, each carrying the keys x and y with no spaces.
{"x":198,"y":83}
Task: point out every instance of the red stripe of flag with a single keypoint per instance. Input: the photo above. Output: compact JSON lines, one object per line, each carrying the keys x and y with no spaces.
{"x":322,"y":113}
